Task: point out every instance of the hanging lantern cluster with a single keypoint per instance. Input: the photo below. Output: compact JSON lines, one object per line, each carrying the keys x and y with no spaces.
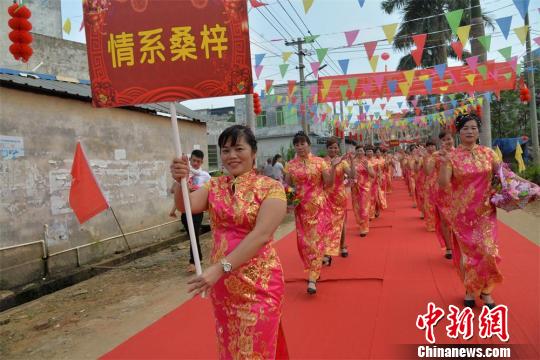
{"x":20,"y":36}
{"x":524,"y":93}
{"x":257,"y":109}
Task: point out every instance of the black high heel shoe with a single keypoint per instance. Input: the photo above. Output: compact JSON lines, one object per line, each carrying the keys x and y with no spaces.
{"x":490,"y":305}
{"x":344,"y":252}
{"x":470,"y":303}
{"x":327,"y":260}
{"x":311,"y":288}
{"x":448,"y":254}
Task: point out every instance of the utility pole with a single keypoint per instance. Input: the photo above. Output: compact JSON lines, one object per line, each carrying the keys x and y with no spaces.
{"x":477,"y":30}
{"x":529,"y":66}
{"x":299,"y":42}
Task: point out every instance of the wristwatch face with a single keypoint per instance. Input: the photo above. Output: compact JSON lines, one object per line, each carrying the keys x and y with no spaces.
{"x":227,"y":267}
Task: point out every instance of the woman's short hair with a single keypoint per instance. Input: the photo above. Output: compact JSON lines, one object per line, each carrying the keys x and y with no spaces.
{"x":462,"y":119}
{"x":301,"y":136}
{"x":233,"y":133}
{"x":443,"y":134}
{"x":430,"y":143}
{"x":359,"y":147}
{"x":275,"y":159}
{"x":331,"y":141}
{"x":369,"y":147}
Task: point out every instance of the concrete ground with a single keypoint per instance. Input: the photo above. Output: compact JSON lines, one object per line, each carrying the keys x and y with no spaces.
{"x":86,"y":320}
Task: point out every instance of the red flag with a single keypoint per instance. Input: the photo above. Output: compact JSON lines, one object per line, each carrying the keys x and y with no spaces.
{"x":85,"y":196}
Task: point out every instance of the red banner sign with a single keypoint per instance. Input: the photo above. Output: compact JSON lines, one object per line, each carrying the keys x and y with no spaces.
{"x":493,"y":77}
{"x":143,"y":51}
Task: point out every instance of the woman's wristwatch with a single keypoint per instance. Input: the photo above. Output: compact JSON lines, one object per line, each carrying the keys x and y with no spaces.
{"x":227,"y":266}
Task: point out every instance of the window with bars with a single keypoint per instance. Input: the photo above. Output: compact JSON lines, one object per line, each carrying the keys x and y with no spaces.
{"x":212,"y":157}
{"x":280,"y":119}
{"x":261,"y":119}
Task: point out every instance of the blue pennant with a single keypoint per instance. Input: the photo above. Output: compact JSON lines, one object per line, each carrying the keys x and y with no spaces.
{"x":392,"y":85}
{"x":504,"y":24}
{"x":440,"y":69}
{"x":344,"y":64}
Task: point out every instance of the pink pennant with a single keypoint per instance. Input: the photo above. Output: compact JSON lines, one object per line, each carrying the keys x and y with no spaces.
{"x":379,"y":80}
{"x":472,"y":61}
{"x":350,"y":36}
{"x":258,"y":70}
{"x":323,"y":116}
{"x":315,"y":68}
{"x":366,"y":87}
{"x":313,"y":89}
{"x":458,"y":48}
{"x":293,"y":99}
{"x":370,"y":48}
{"x":537,"y":40}
{"x":383,"y":106}
{"x":414,"y":102}
{"x":513,"y":63}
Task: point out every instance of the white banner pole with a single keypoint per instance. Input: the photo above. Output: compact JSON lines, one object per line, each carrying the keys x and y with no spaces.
{"x":185,"y":191}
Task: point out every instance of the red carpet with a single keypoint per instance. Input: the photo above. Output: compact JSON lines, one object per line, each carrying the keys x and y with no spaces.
{"x":367,"y":304}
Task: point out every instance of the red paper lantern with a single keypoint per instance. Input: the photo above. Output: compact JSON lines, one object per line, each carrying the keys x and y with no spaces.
{"x":385,"y":56}
{"x":524,"y":93}
{"x":20,"y":36}
{"x":257,"y":109}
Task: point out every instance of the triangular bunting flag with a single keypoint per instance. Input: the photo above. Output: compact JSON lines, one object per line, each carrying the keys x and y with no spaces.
{"x":513,"y":62}
{"x":326,"y":87}
{"x":361,"y":2}
{"x":258,"y":70}
{"x":409,"y":76}
{"x":344,"y":64}
{"x":343,"y":89}
{"x":67,"y":26}
{"x":521,"y":33}
{"x":440,"y":69}
{"x":283,"y":69}
{"x":504,"y":24}
{"x":392,"y":85}
{"x":379,"y":78}
{"x":454,"y":18}
{"x":485,"y":41}
{"x":286,"y":55}
{"x":307,"y":5}
{"x":310,"y":38}
{"x":463,"y":34}
{"x":508,"y":76}
{"x":429,"y":85}
{"x":315,"y":68}
{"x":458,"y":48}
{"x":373,"y":62}
{"x":292,"y":85}
{"x":470,"y":78}
{"x":352,"y":84}
{"x":350,"y":36}
{"x":537,"y":40}
{"x":268,"y":85}
{"x":482,"y":69}
{"x":321,"y":53}
{"x":399,"y":104}
{"x":404,"y":87}
{"x":259,"y":58}
{"x":506,"y":52}
{"x":390,"y":31}
{"x":472,"y":61}
{"x":522,"y":6}
{"x":370,"y":48}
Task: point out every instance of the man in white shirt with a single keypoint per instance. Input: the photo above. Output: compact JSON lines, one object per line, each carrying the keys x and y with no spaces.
{"x":197,"y":178}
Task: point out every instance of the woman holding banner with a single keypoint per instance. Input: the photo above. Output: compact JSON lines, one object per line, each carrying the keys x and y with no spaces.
{"x":469,"y":170}
{"x":361,"y":190}
{"x":309,"y":175}
{"x":245,"y":280}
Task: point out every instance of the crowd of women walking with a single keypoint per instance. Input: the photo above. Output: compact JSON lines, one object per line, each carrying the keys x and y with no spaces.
{"x":450,"y":187}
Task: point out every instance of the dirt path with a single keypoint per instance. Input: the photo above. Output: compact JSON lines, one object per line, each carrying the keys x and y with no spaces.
{"x":86,"y":320}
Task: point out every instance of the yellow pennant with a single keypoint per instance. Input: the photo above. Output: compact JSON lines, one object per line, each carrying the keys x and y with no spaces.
{"x":286,"y":55}
{"x":373,"y":62}
{"x":444,"y":88}
{"x":307,"y":5}
{"x":498,"y":153}
{"x":326,"y":87}
{"x":463,"y":34}
{"x":404,"y":87}
{"x":67,"y":26}
{"x":519,"y":158}
{"x":423,"y":77}
{"x":470,"y":78}
{"x":279,"y":98}
{"x":521,"y":33}
{"x":409,"y":75}
{"x":390,"y":31}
